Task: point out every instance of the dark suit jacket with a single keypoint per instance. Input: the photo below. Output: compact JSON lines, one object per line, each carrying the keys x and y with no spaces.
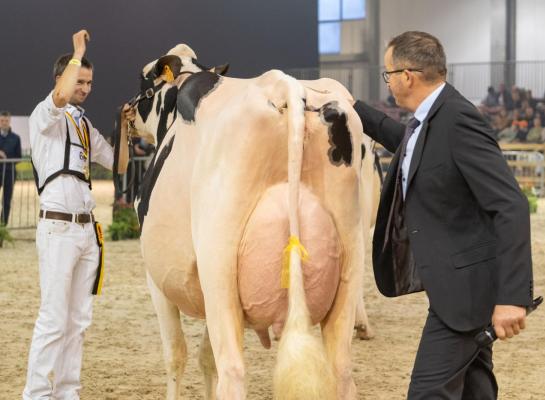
{"x":467,"y":220}
{"x":11,"y":145}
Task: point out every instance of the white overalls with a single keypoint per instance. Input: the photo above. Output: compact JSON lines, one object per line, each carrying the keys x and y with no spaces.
{"x":68,"y":251}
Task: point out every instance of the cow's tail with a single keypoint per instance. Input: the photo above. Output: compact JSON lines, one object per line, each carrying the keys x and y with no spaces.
{"x":303,"y":371}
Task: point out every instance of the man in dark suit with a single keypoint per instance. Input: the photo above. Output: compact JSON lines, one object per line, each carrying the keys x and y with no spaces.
{"x":10,"y":147}
{"x":452,"y":221}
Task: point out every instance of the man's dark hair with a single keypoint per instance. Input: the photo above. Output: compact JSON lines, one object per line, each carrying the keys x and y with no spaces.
{"x":419,"y":50}
{"x":5,"y":113}
{"x":62,"y":62}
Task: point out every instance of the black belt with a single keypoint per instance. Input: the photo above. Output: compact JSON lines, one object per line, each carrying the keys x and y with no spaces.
{"x":77,"y":218}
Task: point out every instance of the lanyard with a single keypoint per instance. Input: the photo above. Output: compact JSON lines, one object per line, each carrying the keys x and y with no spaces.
{"x":83,"y":136}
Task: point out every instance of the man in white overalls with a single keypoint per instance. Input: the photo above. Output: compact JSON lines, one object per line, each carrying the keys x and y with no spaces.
{"x":63,"y":143}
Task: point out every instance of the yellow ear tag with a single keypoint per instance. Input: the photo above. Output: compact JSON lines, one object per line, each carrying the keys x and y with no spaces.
{"x":167,"y":74}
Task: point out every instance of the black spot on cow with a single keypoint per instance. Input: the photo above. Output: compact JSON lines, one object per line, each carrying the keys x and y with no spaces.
{"x":378,"y":168}
{"x":340,"y":139}
{"x":193,"y":90}
{"x":158,"y":106}
{"x":196,"y":63}
{"x":363,"y":149}
{"x":169,"y":107}
{"x":145,"y":105}
{"x":148,"y":183}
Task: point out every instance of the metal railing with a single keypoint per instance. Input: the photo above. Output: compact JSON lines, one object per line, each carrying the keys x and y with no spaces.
{"x":19,"y":202}
{"x":527,"y":161}
{"x":131,"y":181}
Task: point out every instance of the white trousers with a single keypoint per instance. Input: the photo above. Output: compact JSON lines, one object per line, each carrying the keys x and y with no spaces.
{"x":68,"y":257}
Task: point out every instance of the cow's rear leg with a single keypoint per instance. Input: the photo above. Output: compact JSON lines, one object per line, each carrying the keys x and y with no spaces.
{"x":172,"y":337}
{"x":362,"y":327}
{"x":208,"y":366}
{"x":225,"y":330}
{"x":338,"y":326}
{"x":224,"y":317}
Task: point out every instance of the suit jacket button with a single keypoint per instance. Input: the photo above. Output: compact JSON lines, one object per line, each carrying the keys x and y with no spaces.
{"x":414,"y":231}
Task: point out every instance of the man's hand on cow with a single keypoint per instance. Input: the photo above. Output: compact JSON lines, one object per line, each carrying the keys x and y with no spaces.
{"x":508,"y":321}
{"x":80,"y":40}
{"x":128,"y":113}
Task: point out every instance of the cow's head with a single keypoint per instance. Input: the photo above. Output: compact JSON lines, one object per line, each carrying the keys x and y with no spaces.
{"x":159,"y":84}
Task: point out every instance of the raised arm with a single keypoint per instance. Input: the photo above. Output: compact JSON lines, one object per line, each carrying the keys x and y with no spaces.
{"x":66,"y":83}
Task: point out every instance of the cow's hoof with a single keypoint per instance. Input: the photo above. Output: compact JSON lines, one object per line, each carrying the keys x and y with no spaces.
{"x":364,"y":332}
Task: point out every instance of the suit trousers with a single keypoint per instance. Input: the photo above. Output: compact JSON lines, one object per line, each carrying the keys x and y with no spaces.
{"x":68,"y":258}
{"x":449,"y":365}
{"x":7,"y":181}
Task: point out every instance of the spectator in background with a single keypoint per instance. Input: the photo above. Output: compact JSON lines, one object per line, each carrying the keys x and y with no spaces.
{"x":524,"y":104}
{"x":505,"y":98}
{"x":10,"y":148}
{"x":537,"y":133}
{"x":521,"y":124}
{"x":509,"y":134}
{"x":540,"y":109}
{"x":491,"y":103}
{"x":517,"y":97}
{"x":530,"y":98}
{"x":492,"y":98}
{"x":529,"y":116}
{"x":501,"y":121}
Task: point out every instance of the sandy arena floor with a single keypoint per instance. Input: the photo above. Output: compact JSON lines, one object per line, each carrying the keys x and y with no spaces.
{"x":123,"y":356}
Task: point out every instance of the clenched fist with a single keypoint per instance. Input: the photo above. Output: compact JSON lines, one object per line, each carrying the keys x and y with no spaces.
{"x":80,"y":40}
{"x":508,"y":321}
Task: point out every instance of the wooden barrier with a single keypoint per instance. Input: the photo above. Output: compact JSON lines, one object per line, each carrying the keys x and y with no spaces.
{"x":540,"y":147}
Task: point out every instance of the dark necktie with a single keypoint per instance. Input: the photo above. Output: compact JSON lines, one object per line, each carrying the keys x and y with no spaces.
{"x":409,"y":130}
{"x":397,"y":199}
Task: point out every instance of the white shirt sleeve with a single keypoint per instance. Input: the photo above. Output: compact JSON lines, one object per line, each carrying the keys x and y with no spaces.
{"x":46,"y":115}
{"x":101,"y":151}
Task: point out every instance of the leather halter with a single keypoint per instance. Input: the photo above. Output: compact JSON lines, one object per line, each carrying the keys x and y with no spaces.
{"x":145,"y":94}
{"x":150,"y":92}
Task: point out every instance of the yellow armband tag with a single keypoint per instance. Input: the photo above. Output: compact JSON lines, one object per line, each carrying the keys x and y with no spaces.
{"x":97,"y":287}
{"x":293,"y":243}
{"x":75,"y":61}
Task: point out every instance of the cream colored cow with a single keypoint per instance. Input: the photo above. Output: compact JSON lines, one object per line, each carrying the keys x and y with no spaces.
{"x":246,"y":172}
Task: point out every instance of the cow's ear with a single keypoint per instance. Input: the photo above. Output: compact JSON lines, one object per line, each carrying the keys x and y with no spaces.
{"x":220,"y":69}
{"x":168,"y":67}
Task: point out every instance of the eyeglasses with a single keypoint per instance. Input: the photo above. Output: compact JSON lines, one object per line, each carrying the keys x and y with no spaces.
{"x":386,"y":74}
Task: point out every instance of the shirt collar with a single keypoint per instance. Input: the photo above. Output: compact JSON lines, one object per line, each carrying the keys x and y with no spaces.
{"x":75,"y":111}
{"x":4,"y":133}
{"x":424,"y":108}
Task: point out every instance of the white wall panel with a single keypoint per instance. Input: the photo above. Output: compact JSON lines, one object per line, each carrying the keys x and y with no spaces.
{"x":530,"y":30}
{"x":463,"y":26}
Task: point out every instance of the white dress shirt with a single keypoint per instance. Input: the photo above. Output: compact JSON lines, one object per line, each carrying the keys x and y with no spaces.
{"x":47,"y":125}
{"x":420,"y":114}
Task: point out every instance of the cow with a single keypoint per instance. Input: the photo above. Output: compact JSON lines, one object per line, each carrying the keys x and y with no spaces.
{"x":250,"y":216}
